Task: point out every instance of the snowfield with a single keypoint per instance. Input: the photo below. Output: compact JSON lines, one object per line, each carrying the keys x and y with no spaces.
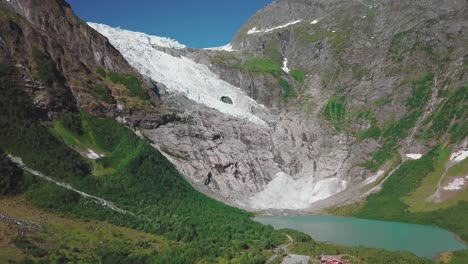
{"x":284,"y":192}
{"x":180,"y":74}
{"x":414,"y":156}
{"x":456,"y":184}
{"x":227,"y":47}
{"x":459,"y":155}
{"x":255,"y":30}
{"x":285,"y":66}
{"x":373,"y":178}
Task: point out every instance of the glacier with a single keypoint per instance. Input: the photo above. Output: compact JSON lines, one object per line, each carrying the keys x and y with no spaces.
{"x":285,"y":192}
{"x":180,"y":74}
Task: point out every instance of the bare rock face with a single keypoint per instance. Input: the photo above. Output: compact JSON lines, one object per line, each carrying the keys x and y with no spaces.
{"x":45,"y":35}
{"x":234,"y":160}
{"x":367,"y":53}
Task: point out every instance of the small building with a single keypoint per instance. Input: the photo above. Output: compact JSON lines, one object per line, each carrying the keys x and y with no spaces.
{"x":330,"y":259}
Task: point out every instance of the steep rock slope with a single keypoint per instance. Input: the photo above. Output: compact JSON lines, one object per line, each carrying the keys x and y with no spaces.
{"x":348,"y":87}
{"x":59,"y":64}
{"x":235,"y":151}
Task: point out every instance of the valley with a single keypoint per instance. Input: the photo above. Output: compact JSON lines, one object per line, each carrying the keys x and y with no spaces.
{"x":118,"y":146}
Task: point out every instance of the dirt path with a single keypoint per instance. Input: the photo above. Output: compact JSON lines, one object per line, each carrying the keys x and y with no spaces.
{"x":282,"y":248}
{"x":98,"y":200}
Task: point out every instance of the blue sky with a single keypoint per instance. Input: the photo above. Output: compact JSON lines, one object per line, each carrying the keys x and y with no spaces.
{"x":195,"y":23}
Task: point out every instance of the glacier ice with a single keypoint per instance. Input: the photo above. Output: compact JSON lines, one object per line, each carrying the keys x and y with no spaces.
{"x":180,"y":74}
{"x":285,"y":192}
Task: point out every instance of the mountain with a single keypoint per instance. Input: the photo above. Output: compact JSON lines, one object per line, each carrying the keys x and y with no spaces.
{"x":108,"y":138}
{"x":338,"y":93}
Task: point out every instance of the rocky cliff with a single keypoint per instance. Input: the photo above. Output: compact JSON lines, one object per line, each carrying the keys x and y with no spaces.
{"x":58,"y":57}
{"x":345,"y":90}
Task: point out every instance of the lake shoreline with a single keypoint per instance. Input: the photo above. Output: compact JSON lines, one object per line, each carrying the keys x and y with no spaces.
{"x":421,"y":240}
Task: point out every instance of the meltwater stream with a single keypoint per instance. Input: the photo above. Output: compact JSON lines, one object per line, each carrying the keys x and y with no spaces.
{"x":424,"y":241}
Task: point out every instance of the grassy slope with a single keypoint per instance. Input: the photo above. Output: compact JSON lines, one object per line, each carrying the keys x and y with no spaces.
{"x":388,"y":204}
{"x":68,"y":239}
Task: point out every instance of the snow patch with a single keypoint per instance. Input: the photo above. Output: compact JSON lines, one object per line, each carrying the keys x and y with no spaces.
{"x":414,"y":156}
{"x":373,"y":178}
{"x":227,"y":47}
{"x":456,"y":184}
{"x":180,"y":74}
{"x":254,"y":30}
{"x":459,"y":155}
{"x":315,"y":21}
{"x":284,"y":192}
{"x":285,"y":66}
{"x":93,"y":155}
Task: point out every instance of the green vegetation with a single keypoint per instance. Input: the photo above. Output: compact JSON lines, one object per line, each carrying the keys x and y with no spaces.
{"x":388,"y":204}
{"x":101,"y":72}
{"x":44,"y":67}
{"x":140,"y":180}
{"x":133,"y":85}
{"x":72,"y":122}
{"x":417,"y":199}
{"x":357,"y":255}
{"x":336,"y":40}
{"x":25,"y":244}
{"x":359,"y":71}
{"x":335,"y":112}
{"x":297,"y":75}
{"x":288,"y":91}
{"x":66,"y":240}
{"x":6,"y":14}
{"x":144,"y":182}
{"x":271,"y":52}
{"x":102,"y":93}
{"x":459,"y":257}
{"x":450,"y":117}
{"x":421,"y":92}
{"x":395,"y":131}
{"x":262,"y":65}
{"x":13,"y":181}
{"x":373,"y":132}
{"x":398,"y":42}
{"x":21,"y":134}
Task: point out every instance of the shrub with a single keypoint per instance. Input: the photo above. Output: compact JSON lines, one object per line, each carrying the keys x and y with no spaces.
{"x":297,"y":75}
{"x":335,"y":111}
{"x":288,"y":90}
{"x":72,"y":122}
{"x":133,"y":85}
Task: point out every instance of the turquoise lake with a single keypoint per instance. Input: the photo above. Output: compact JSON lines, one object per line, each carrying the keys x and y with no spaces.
{"x":424,"y":241}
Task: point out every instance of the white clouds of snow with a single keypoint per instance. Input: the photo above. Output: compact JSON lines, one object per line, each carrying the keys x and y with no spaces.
{"x":284,"y":192}
{"x":227,"y":47}
{"x":314,"y":22}
{"x":93,"y":155}
{"x":180,"y":74}
{"x":373,"y":178}
{"x":414,"y":156}
{"x":254,"y":30}
{"x":456,"y":184}
{"x":285,"y":66}
{"x":459,"y":155}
